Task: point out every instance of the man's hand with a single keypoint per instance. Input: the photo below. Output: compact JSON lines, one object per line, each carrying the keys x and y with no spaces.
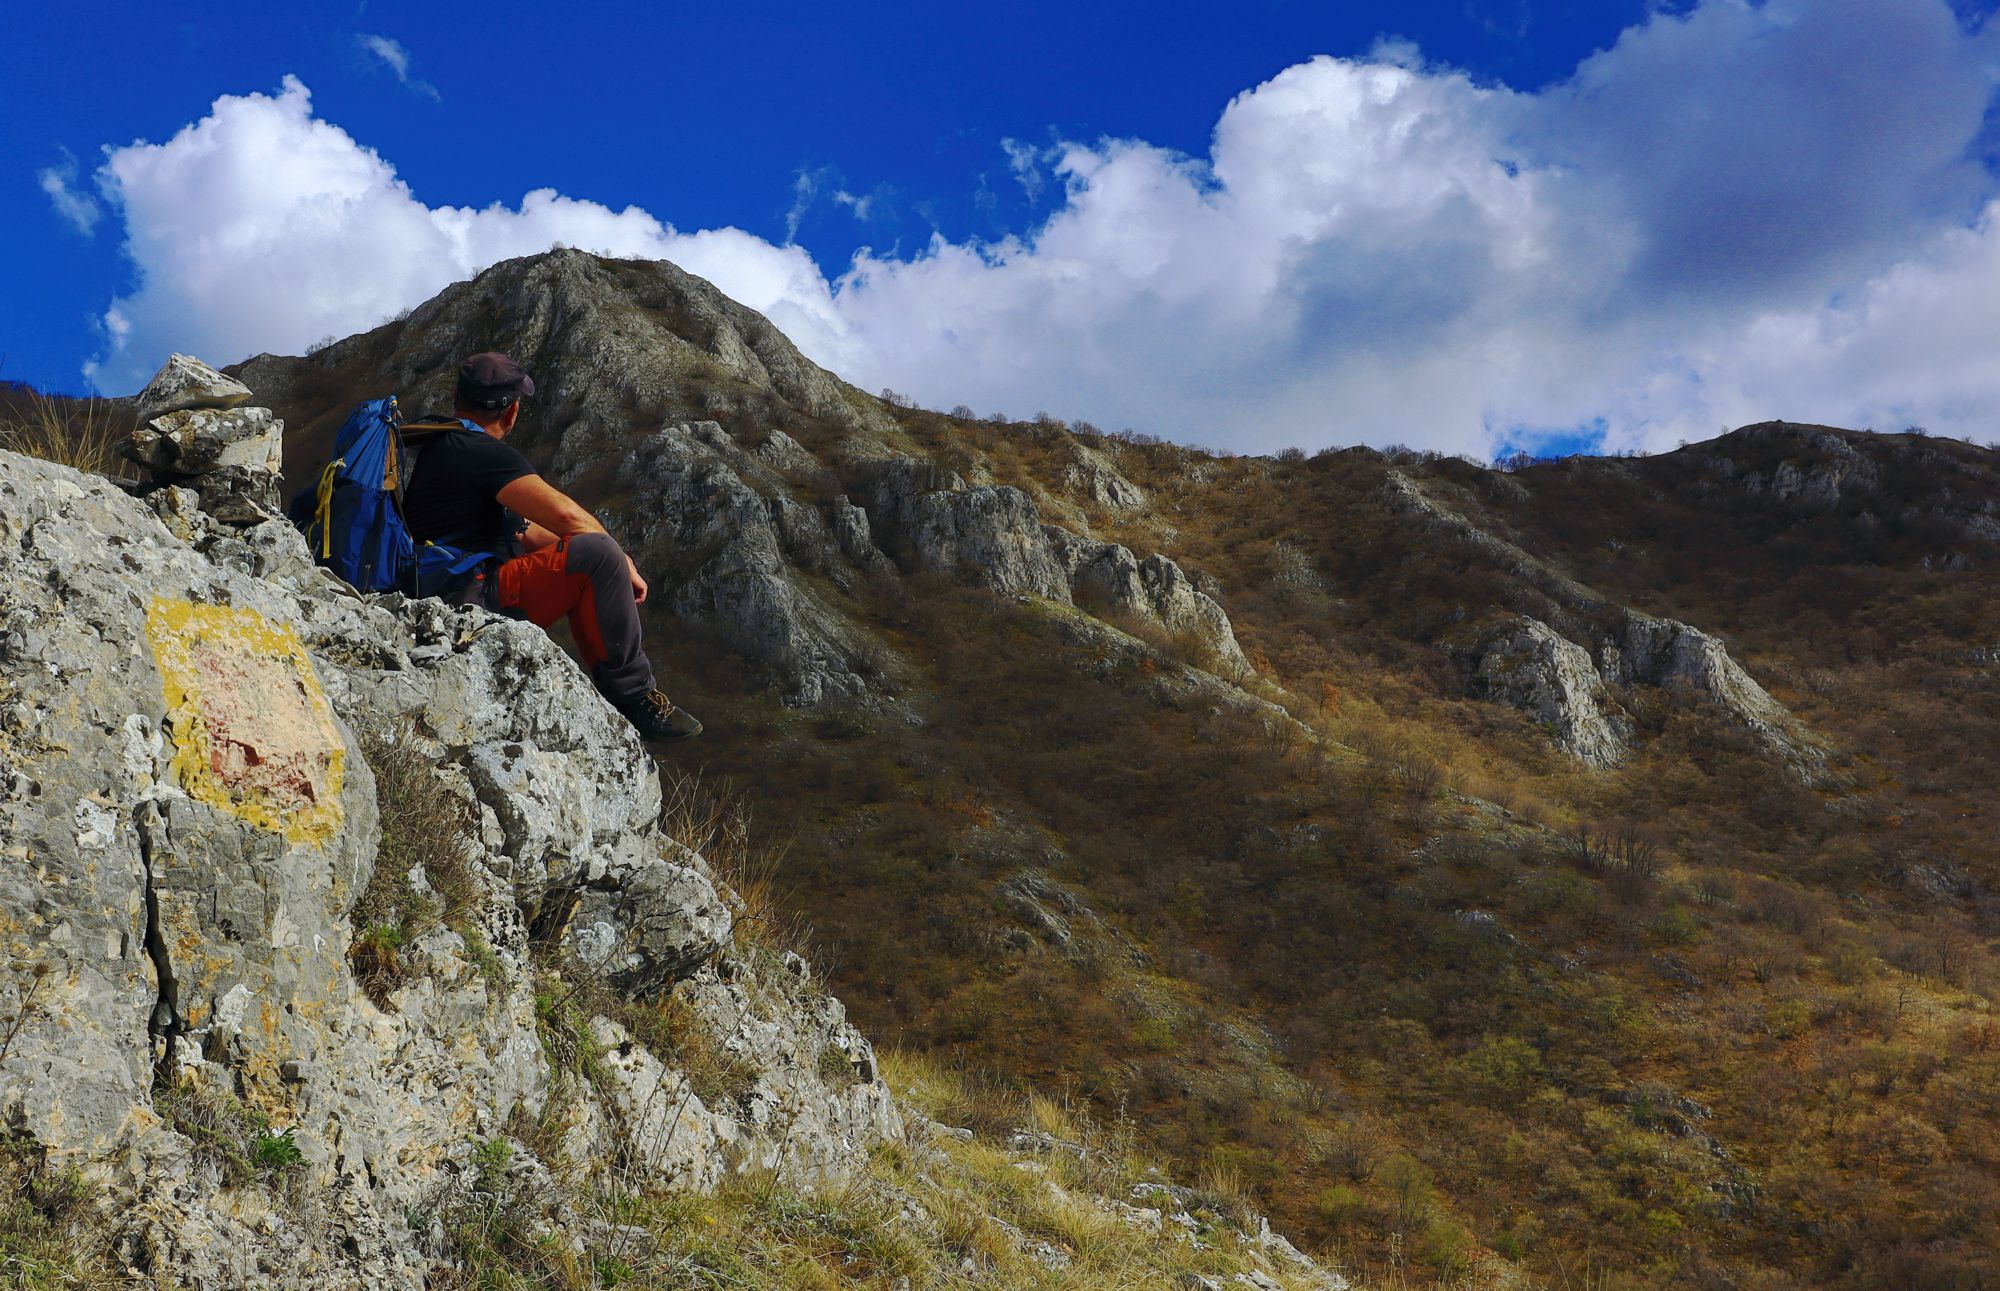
{"x":535,"y":538}
{"x":551,"y":516}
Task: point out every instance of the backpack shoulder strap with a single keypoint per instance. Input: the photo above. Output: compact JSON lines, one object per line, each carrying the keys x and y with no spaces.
{"x":426,"y":426}
{"x":414,"y":435}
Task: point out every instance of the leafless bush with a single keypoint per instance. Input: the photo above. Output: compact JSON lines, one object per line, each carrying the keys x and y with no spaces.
{"x":714,"y":821}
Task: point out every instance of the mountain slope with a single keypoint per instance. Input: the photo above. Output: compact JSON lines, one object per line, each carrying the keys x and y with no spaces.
{"x":354,"y":942}
{"x":1579,"y":863}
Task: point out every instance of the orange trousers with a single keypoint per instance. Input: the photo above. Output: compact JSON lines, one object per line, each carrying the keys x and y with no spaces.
{"x":584,"y":579}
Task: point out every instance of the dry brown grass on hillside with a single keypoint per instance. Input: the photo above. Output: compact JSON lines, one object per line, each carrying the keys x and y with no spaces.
{"x":78,"y":433}
{"x":1512,"y":1024}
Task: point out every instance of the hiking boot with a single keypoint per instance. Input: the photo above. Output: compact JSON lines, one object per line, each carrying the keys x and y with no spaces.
{"x":656,"y":718}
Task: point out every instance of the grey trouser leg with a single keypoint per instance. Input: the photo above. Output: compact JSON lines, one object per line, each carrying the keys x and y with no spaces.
{"x":626,"y":673}
{"x":582,"y":579}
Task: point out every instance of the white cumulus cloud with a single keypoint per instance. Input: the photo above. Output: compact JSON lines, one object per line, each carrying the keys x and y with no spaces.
{"x":1736,"y":212}
{"x":260,"y":227}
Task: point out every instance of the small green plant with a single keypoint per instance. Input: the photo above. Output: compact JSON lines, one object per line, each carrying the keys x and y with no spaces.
{"x":275,"y":1153}
{"x":1339,"y":1204}
{"x":489,"y":1163}
{"x":228,"y":1134}
{"x":484,"y":959}
{"x":1155,"y":1033}
{"x":1676,"y":927}
{"x":563,"y":1022}
{"x":1504,"y":1065}
{"x":835,"y":1067}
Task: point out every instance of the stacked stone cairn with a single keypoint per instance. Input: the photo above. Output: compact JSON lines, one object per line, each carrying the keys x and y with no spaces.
{"x":194,"y":434}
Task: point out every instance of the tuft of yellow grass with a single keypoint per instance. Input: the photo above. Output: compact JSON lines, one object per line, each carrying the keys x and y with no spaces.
{"x":77,"y":433}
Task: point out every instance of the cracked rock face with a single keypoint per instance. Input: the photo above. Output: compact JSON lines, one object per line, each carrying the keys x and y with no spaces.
{"x":1528,"y":665}
{"x":703,"y":500}
{"x":187,"y":816}
{"x":994,"y":536}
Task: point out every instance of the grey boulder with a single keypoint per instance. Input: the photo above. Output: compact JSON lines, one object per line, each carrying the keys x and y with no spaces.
{"x":185,"y":383}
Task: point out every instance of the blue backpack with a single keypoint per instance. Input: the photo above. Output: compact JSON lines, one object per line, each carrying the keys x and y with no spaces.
{"x":353,"y":517}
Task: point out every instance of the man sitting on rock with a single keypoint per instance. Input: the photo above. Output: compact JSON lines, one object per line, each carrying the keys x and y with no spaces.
{"x":557,"y":560}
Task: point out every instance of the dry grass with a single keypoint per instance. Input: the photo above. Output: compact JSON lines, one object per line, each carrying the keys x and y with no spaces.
{"x":714,"y":819}
{"x":950,"y":1213}
{"x":53,"y":1237}
{"x":78,"y":433}
{"x":422,"y":878}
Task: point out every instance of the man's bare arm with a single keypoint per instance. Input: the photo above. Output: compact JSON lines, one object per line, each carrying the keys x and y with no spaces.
{"x":557,"y":515}
{"x":542,"y":503}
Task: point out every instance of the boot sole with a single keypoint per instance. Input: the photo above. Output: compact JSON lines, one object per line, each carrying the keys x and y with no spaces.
{"x":671,"y":738}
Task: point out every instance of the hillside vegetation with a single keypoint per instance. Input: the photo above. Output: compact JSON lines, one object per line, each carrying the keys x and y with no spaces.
{"x":1341,"y":924}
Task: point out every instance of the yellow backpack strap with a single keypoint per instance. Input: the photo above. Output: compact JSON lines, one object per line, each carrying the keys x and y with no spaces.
{"x":323,"y":510}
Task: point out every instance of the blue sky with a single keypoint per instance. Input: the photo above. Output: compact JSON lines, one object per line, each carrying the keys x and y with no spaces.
{"x":1468,"y":219}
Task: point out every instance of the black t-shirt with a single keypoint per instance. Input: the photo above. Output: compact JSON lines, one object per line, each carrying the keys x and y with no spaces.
{"x":449,"y":496}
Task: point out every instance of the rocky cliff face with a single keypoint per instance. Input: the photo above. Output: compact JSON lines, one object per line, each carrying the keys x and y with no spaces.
{"x":1531,"y":665}
{"x":188,"y":715}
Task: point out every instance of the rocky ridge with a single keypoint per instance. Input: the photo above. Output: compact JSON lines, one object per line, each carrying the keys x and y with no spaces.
{"x":1526,"y":662}
{"x":763,"y":538}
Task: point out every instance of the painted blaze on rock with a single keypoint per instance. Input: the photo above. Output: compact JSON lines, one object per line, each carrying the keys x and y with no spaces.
{"x":253,"y":734}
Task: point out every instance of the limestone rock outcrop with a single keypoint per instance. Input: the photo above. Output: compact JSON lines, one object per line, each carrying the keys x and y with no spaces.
{"x":190,"y":715}
{"x":184,"y":383}
{"x":1527,"y":664}
{"x":1090,"y":473}
{"x":995,"y":535}
{"x":1532,"y":666}
{"x":1154,"y":591}
{"x":727,"y":525}
{"x":1667,"y":653}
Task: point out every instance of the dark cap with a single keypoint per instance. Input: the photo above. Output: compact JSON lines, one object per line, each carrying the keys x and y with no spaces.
{"x":491,"y":381}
